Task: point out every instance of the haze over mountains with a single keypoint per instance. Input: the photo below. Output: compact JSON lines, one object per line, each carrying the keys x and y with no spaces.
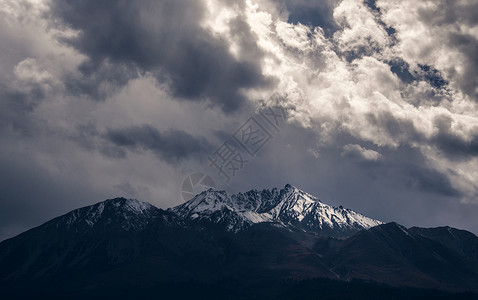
{"x":257,"y":239}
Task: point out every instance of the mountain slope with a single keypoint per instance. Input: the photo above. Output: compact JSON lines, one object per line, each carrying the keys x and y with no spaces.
{"x":461,"y":241}
{"x":392,"y":254}
{"x":89,"y":238}
{"x":288,"y":207}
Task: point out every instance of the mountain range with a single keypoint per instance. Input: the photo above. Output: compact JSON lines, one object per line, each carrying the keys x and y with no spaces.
{"x":277,"y":243}
{"x":288,"y":208}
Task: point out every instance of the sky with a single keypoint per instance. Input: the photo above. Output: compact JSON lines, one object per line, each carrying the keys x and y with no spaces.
{"x":371,"y":105}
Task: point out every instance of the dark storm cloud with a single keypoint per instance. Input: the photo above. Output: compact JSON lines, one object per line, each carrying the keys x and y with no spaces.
{"x":98,"y":80}
{"x":30,"y":195}
{"x":89,"y":138}
{"x":429,"y":180}
{"x":365,"y":157}
{"x":16,"y":106}
{"x":453,"y":13}
{"x":400,"y":128}
{"x":172,"y":146}
{"x":467,"y":45}
{"x":161,"y":37}
{"x":452,"y":145}
{"x":408,"y":165}
{"x":405,"y":166}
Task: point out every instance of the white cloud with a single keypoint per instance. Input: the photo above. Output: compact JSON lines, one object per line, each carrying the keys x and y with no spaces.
{"x":364,"y":97}
{"x":30,"y":72}
{"x":360,"y":31}
{"x":354,"y":150}
{"x":437,"y":34}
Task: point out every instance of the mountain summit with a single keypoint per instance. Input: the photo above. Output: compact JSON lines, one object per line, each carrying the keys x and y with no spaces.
{"x":289,"y":207}
{"x":129,"y":214}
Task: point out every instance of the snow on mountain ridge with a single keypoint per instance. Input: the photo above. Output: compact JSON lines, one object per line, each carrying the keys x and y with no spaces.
{"x":289,"y":207}
{"x":132,"y":214}
{"x":131,"y":205}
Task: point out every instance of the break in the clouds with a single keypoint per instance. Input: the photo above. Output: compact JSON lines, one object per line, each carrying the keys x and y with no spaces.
{"x":116,"y":98}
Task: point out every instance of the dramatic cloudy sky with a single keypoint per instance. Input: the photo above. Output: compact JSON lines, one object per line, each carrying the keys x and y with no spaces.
{"x":110,"y":98}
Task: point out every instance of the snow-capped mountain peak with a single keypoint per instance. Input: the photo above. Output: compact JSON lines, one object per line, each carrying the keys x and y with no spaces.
{"x":289,"y":207}
{"x":131,"y":205}
{"x":130,"y":213}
